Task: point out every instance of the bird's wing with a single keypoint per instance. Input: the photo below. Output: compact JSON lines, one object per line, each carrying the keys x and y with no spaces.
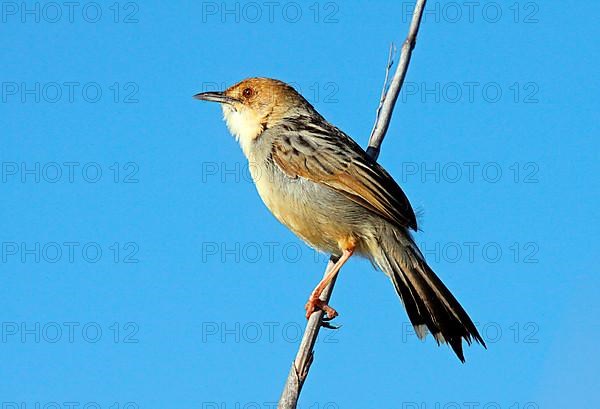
{"x":330,"y":157}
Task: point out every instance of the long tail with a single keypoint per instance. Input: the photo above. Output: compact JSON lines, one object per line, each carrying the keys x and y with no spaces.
{"x":429,"y":304}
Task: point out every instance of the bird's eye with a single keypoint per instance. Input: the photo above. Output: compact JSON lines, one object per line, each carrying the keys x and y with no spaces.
{"x":248,"y":92}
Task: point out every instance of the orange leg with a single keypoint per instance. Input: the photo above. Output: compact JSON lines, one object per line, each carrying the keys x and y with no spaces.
{"x":314,"y":302}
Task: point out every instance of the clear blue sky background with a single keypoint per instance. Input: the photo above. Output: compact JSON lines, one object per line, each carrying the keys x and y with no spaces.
{"x":200,"y":301}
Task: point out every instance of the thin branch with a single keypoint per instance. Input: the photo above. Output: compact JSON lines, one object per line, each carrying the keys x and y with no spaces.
{"x":386,"y":83}
{"x":387,"y":108}
{"x":304,"y":357}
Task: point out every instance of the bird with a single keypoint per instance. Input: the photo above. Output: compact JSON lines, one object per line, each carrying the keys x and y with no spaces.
{"x":318,"y":182}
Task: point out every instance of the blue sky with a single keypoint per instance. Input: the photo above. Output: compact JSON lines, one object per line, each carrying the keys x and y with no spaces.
{"x":141,"y":270}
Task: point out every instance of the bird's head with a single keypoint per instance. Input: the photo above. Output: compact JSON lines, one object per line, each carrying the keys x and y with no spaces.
{"x":255,"y":104}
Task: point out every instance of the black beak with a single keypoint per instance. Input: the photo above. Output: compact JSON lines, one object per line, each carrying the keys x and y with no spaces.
{"x":219,"y":97}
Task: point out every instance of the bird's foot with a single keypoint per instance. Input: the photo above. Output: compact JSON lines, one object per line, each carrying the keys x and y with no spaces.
{"x":315,"y":303}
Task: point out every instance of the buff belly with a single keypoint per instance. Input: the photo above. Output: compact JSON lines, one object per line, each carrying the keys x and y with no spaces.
{"x":325,"y":219}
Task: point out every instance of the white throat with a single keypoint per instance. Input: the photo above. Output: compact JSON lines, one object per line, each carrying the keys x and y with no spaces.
{"x":244,"y":124}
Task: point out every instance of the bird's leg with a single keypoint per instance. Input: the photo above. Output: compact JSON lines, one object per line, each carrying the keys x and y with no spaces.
{"x":314,"y":302}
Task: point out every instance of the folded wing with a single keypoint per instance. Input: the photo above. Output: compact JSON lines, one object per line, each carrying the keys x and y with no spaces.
{"x":330,"y":157}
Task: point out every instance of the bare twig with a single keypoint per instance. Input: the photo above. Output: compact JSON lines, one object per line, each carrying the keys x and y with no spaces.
{"x":386,"y":84}
{"x":385,"y":113}
{"x":304,"y":357}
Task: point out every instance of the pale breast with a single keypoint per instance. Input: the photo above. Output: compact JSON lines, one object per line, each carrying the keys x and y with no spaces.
{"x":303,"y":206}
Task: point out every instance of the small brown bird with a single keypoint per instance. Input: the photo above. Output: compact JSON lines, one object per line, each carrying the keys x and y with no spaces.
{"x":323,"y":186}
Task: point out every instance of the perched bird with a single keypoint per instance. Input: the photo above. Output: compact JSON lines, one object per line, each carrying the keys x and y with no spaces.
{"x":323,"y":186}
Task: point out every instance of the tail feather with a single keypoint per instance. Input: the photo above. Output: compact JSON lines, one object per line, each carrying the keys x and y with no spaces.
{"x":428,"y":302}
